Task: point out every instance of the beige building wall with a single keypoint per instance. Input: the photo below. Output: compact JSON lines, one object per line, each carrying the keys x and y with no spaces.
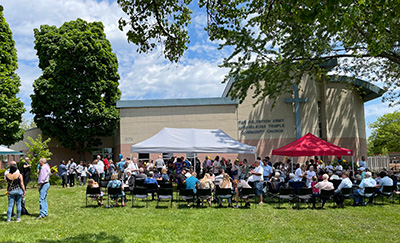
{"x":139,"y":124}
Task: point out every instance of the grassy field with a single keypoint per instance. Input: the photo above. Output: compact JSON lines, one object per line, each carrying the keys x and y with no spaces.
{"x":70,"y":221}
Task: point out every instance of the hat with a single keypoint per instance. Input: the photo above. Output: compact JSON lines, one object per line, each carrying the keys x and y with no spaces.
{"x":120,"y":156}
{"x":361,"y":168}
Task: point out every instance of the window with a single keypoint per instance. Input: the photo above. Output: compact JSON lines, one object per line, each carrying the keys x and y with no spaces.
{"x":103,"y":152}
{"x":144,"y":157}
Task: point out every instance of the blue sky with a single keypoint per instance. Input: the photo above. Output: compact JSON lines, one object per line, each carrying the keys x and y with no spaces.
{"x":143,"y":76}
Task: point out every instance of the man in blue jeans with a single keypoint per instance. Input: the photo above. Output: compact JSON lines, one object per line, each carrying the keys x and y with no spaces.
{"x":258,"y":180}
{"x":43,"y":185}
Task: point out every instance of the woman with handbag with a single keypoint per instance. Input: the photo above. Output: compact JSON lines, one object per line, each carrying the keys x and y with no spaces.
{"x":15,"y":191}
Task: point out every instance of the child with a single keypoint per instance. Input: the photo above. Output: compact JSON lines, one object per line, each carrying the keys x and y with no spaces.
{"x":99,"y":197}
{"x":313,"y":183}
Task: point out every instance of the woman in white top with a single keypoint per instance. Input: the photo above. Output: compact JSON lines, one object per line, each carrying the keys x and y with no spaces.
{"x":309,"y":175}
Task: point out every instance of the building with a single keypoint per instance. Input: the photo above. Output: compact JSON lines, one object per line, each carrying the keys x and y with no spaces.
{"x":332,"y":110}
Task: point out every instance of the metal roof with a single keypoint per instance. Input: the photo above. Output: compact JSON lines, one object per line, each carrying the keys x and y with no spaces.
{"x":368,"y":91}
{"x":176,"y":102}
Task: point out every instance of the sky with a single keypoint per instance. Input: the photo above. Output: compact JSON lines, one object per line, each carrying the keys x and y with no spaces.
{"x":143,"y":76}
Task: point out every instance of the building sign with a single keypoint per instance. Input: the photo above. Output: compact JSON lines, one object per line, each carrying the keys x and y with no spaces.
{"x":261,"y":126}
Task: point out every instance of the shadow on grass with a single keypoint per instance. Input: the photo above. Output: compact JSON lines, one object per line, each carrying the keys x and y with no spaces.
{"x":102,"y":237}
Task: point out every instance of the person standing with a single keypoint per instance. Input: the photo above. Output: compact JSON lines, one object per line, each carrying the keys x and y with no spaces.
{"x":82,"y":170}
{"x":16,"y":190}
{"x":159,"y":163}
{"x":363,"y":163}
{"x":258,"y":180}
{"x":62,"y":172}
{"x":72,"y":173}
{"x":27,"y":171}
{"x":43,"y":186}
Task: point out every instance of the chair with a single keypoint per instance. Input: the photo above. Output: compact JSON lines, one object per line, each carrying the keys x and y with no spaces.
{"x":303,"y":194}
{"x":326,"y":195}
{"x":166,"y":185}
{"x":91,"y":191}
{"x":140,"y":193}
{"x":387,"y":191}
{"x":336,"y":183}
{"x":103,"y":185}
{"x":285,"y":194}
{"x":223,"y":193}
{"x":248,"y":193}
{"x":203,"y":194}
{"x":139,"y":183}
{"x":165,"y":194}
{"x":369,"y":192}
{"x":186,"y":194}
{"x":251,"y":183}
{"x":113,"y":192}
{"x":151,"y":188}
{"x":347,"y":193}
{"x":296,"y":185}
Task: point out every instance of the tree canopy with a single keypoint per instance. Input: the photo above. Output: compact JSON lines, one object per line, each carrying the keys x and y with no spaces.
{"x":385,"y":134}
{"x":276,"y":41}
{"x":75,"y":98}
{"x":11,"y":107}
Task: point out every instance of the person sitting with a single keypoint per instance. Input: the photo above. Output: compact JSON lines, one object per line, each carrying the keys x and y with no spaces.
{"x":16,"y":190}
{"x":274,"y":183}
{"x":164,"y":176}
{"x":346,"y":183}
{"x":129,"y":180}
{"x":322,"y":185}
{"x":291,"y":177}
{"x":98,"y":197}
{"x":207,"y":184}
{"x":219,"y":177}
{"x":239,"y":185}
{"x":224,"y":184}
{"x":384,"y":181}
{"x":141,"y":175}
{"x":151,"y":180}
{"x":115,"y":183}
{"x":359,"y":193}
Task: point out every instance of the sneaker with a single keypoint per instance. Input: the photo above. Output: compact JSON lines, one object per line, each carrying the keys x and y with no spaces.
{"x":40,"y":217}
{"x":8,"y":221}
{"x":18,"y":220}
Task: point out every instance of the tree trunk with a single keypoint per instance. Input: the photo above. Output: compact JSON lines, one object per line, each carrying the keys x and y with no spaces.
{"x":81,"y":152}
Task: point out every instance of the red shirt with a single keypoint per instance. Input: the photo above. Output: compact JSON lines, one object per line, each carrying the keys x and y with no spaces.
{"x":106,"y":164}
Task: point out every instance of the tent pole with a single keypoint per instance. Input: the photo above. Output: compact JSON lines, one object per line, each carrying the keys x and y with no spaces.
{"x":292,"y":164}
{"x":352,"y":164}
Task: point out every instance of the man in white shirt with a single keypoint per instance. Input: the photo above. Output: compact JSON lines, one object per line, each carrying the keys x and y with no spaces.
{"x":100,"y":168}
{"x":346,"y":183}
{"x":299,"y":173}
{"x":159,"y":163}
{"x":384,"y":181}
{"x":359,"y":193}
{"x":133,"y":166}
{"x":363,"y":163}
{"x":267,"y":173}
{"x":328,"y":167}
{"x":258,"y":180}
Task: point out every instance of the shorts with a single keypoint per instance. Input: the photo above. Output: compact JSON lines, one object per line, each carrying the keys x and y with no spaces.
{"x":259,"y":187}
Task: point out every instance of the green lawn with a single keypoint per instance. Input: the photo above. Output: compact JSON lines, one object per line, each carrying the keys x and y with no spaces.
{"x":70,"y":221}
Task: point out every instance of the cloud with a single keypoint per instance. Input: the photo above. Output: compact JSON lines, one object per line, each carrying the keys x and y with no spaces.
{"x":143,"y":76}
{"x":377,"y":108}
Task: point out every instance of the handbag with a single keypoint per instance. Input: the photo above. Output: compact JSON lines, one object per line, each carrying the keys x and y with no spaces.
{"x":8,"y":188}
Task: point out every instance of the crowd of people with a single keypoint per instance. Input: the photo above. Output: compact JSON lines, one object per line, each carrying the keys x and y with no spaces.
{"x":264,"y":176}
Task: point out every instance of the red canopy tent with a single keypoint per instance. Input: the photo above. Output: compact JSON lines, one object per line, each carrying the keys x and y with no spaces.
{"x":310,"y":145}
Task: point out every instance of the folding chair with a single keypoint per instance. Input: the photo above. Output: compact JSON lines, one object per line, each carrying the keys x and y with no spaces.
{"x":140,"y":193}
{"x":336,"y":183}
{"x":303,"y":194}
{"x":103,"y":185}
{"x":369,"y":192}
{"x":296,"y":185}
{"x":223,"y":193}
{"x":165,"y":194}
{"x":248,"y":193}
{"x":347,"y":193}
{"x":151,"y":188}
{"x":139,"y":183}
{"x":285,"y":194}
{"x":326,"y":195}
{"x":166,"y":185}
{"x":387,"y":191}
{"x":91,"y":191}
{"x":113,"y":192}
{"x":186,"y":194}
{"x":203,"y":194}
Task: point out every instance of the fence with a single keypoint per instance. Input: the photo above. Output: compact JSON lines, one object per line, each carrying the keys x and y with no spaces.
{"x":376,"y":163}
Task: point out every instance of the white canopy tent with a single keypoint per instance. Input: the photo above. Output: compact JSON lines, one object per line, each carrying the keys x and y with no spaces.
{"x":190,"y":140}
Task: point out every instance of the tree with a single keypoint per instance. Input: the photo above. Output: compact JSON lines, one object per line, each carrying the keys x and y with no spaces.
{"x":11,"y":107}
{"x":27,"y":124}
{"x":277,"y":41}
{"x":385,"y":134}
{"x":37,"y":149}
{"x":74,"y":99}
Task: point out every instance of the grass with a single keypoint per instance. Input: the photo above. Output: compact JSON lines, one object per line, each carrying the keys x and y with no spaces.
{"x":70,"y":221}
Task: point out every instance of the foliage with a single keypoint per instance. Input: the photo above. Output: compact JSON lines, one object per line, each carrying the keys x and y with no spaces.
{"x":11,"y":107}
{"x":37,"y":149}
{"x":27,"y":124}
{"x":74,"y":98}
{"x":54,"y":179}
{"x":278,"y":41}
{"x":385,"y":134}
{"x":70,"y":221}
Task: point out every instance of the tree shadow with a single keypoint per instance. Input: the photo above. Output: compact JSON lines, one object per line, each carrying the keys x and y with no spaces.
{"x":102,"y":237}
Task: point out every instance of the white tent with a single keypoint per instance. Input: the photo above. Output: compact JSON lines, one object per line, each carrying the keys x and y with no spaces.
{"x":7,"y":151}
{"x":190,"y":140}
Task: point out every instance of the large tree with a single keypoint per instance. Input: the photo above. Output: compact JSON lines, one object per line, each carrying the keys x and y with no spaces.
{"x":385,"y":134}
{"x":11,"y":107}
{"x":75,"y":98}
{"x":278,"y":40}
